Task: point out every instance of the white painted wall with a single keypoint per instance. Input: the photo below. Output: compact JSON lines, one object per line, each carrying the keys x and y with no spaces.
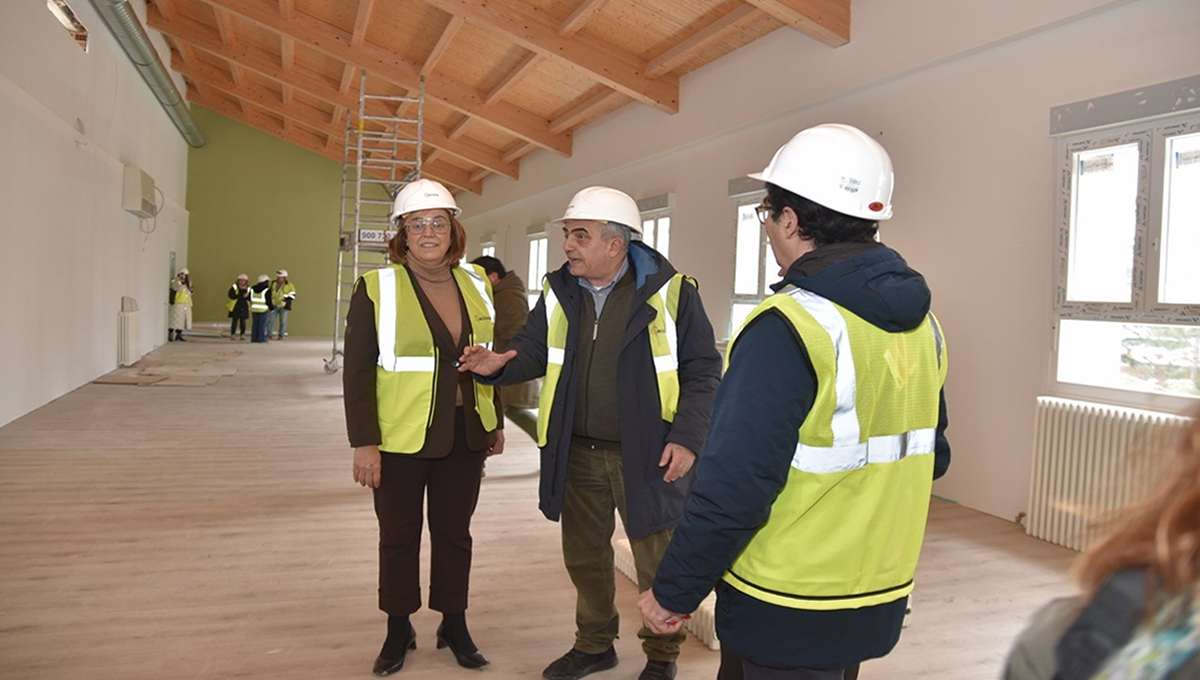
{"x":68,"y":253}
{"x":960,"y":93}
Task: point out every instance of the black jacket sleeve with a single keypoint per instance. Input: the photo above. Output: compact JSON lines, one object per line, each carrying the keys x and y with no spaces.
{"x":941,"y":445}
{"x":762,"y":401}
{"x":530,"y":344}
{"x":699,"y":372}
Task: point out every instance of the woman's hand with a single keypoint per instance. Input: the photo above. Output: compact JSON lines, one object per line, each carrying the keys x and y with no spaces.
{"x":367,"y":470}
{"x":497,"y":448}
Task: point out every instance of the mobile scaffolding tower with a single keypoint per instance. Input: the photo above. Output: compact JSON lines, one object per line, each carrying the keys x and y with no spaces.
{"x":382,"y":152}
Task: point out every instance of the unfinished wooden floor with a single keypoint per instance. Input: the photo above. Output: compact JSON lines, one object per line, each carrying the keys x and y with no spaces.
{"x":215,"y":532}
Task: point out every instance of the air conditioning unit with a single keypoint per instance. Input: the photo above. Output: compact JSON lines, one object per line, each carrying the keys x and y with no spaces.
{"x":137,"y":193}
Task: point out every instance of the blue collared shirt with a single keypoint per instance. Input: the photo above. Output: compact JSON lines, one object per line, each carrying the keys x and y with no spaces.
{"x":600,"y":295}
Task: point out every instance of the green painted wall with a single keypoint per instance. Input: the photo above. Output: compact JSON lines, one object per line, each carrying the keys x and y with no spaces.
{"x":258,"y":204}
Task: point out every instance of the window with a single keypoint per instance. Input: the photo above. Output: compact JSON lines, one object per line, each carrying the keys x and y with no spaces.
{"x":538,"y":246}
{"x":754,"y":268}
{"x":656,"y":221}
{"x":66,"y":16}
{"x":1127,"y":296}
{"x":487,"y":246}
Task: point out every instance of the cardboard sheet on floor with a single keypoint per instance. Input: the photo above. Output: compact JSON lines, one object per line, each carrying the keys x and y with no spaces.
{"x":187,"y":381}
{"x":128,"y":377}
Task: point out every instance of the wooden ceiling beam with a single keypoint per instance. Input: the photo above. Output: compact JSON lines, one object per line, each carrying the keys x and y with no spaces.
{"x":287,"y":53}
{"x":672,"y":58}
{"x":514,"y":76}
{"x":165,"y":8}
{"x":582,"y":111}
{"x":235,"y":72}
{"x":580,"y":17}
{"x":518,"y":150}
{"x":479,"y":175}
{"x":389,"y":66}
{"x":362,"y":18}
{"x":184,"y":31}
{"x":224,"y":21}
{"x":443,"y":172}
{"x":460,"y":128}
{"x":287,"y":8}
{"x":825,"y":20}
{"x":348,"y":74}
{"x":531,"y":29}
{"x":442,"y":45}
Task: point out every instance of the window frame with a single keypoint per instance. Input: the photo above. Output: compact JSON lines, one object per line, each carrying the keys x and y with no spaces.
{"x":750,"y":198}
{"x":1151,"y":136}
{"x":537,"y":267}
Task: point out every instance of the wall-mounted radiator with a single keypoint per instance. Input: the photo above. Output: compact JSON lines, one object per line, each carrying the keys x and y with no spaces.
{"x":1089,"y":459}
{"x":129,"y":346}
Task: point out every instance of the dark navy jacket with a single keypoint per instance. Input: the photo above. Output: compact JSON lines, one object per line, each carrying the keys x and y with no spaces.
{"x":651,"y":503}
{"x":762,"y":401}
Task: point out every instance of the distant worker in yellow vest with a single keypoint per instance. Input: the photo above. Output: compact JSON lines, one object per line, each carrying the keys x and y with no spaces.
{"x":283,"y":293}
{"x":630,"y":369}
{"x":260,"y":308}
{"x":512,"y":309}
{"x":828,"y":430}
{"x":181,"y":306}
{"x":419,"y":428}
{"x":239,"y":306}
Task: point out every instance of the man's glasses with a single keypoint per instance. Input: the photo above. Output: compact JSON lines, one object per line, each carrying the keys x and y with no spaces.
{"x":418,"y":225}
{"x":764,"y":213}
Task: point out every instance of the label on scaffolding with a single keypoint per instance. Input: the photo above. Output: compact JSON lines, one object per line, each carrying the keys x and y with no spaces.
{"x":375,"y":235}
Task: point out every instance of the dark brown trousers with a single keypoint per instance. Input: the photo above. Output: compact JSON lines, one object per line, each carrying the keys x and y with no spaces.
{"x":452,"y":484}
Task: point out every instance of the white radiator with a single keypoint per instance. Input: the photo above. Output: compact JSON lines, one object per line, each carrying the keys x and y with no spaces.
{"x":1089,"y":459}
{"x":128,"y":332}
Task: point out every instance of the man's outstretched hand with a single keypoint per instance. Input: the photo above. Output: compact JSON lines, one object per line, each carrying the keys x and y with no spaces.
{"x":482,"y":361}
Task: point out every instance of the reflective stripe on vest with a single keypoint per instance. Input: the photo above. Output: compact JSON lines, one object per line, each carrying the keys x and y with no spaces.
{"x":664,"y":348}
{"x":258,"y":300}
{"x":407,"y":365}
{"x":846,"y":529}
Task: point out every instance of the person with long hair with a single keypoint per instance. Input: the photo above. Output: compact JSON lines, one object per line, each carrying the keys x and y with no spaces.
{"x":1139,"y":615}
{"x":419,"y":428}
{"x":181,"y":306}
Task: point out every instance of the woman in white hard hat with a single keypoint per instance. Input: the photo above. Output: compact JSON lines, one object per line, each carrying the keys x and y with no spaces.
{"x":181,"y":306}
{"x":283,"y":292}
{"x":419,"y":427}
{"x":239,"y":306}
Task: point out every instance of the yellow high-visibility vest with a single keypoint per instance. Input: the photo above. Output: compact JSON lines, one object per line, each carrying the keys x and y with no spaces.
{"x":846,"y":530}
{"x":258,"y":301}
{"x":406,"y":371}
{"x":664,"y":345}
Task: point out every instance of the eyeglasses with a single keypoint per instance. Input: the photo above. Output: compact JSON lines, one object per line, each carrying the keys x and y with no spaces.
{"x":764,"y":213}
{"x":418,"y":225}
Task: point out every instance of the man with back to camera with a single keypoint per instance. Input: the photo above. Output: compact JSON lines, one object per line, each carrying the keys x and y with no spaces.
{"x":827,"y":432}
{"x":512,"y":308}
{"x":631,"y":368}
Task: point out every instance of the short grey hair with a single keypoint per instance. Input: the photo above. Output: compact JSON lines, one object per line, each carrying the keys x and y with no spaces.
{"x":611,"y":230}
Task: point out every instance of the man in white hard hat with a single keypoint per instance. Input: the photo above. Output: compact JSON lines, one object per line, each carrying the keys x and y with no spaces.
{"x":283,"y":293}
{"x":260,"y":308}
{"x":631,"y":369}
{"x":827,"y":433}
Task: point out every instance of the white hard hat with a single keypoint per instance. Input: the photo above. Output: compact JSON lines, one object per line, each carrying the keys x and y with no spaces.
{"x":183,"y":271}
{"x":837,"y":166}
{"x":281,"y":272}
{"x":606,"y":205}
{"x":423,"y":194}
{"x":243,"y":276}
{"x":263,"y":277}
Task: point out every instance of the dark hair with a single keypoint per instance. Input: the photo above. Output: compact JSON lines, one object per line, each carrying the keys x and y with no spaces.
{"x":491,"y":265}
{"x":398,"y":246}
{"x":819,"y":224}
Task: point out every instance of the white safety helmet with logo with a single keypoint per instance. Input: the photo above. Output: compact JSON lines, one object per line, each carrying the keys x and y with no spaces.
{"x":423,"y":194}
{"x":605,"y":205}
{"x":263,"y":278}
{"x":837,"y":166}
{"x":281,"y":272}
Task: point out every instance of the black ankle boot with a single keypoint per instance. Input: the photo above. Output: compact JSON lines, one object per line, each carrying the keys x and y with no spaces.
{"x":401,"y":638}
{"x":453,"y":633}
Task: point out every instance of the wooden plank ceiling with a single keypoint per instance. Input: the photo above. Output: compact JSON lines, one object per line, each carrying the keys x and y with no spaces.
{"x":502,"y":77}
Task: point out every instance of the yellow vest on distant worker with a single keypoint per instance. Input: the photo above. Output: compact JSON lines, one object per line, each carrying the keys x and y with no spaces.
{"x":846,"y":530}
{"x":258,"y":301}
{"x":183,"y":296}
{"x":406,"y":372}
{"x":664,"y":346}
